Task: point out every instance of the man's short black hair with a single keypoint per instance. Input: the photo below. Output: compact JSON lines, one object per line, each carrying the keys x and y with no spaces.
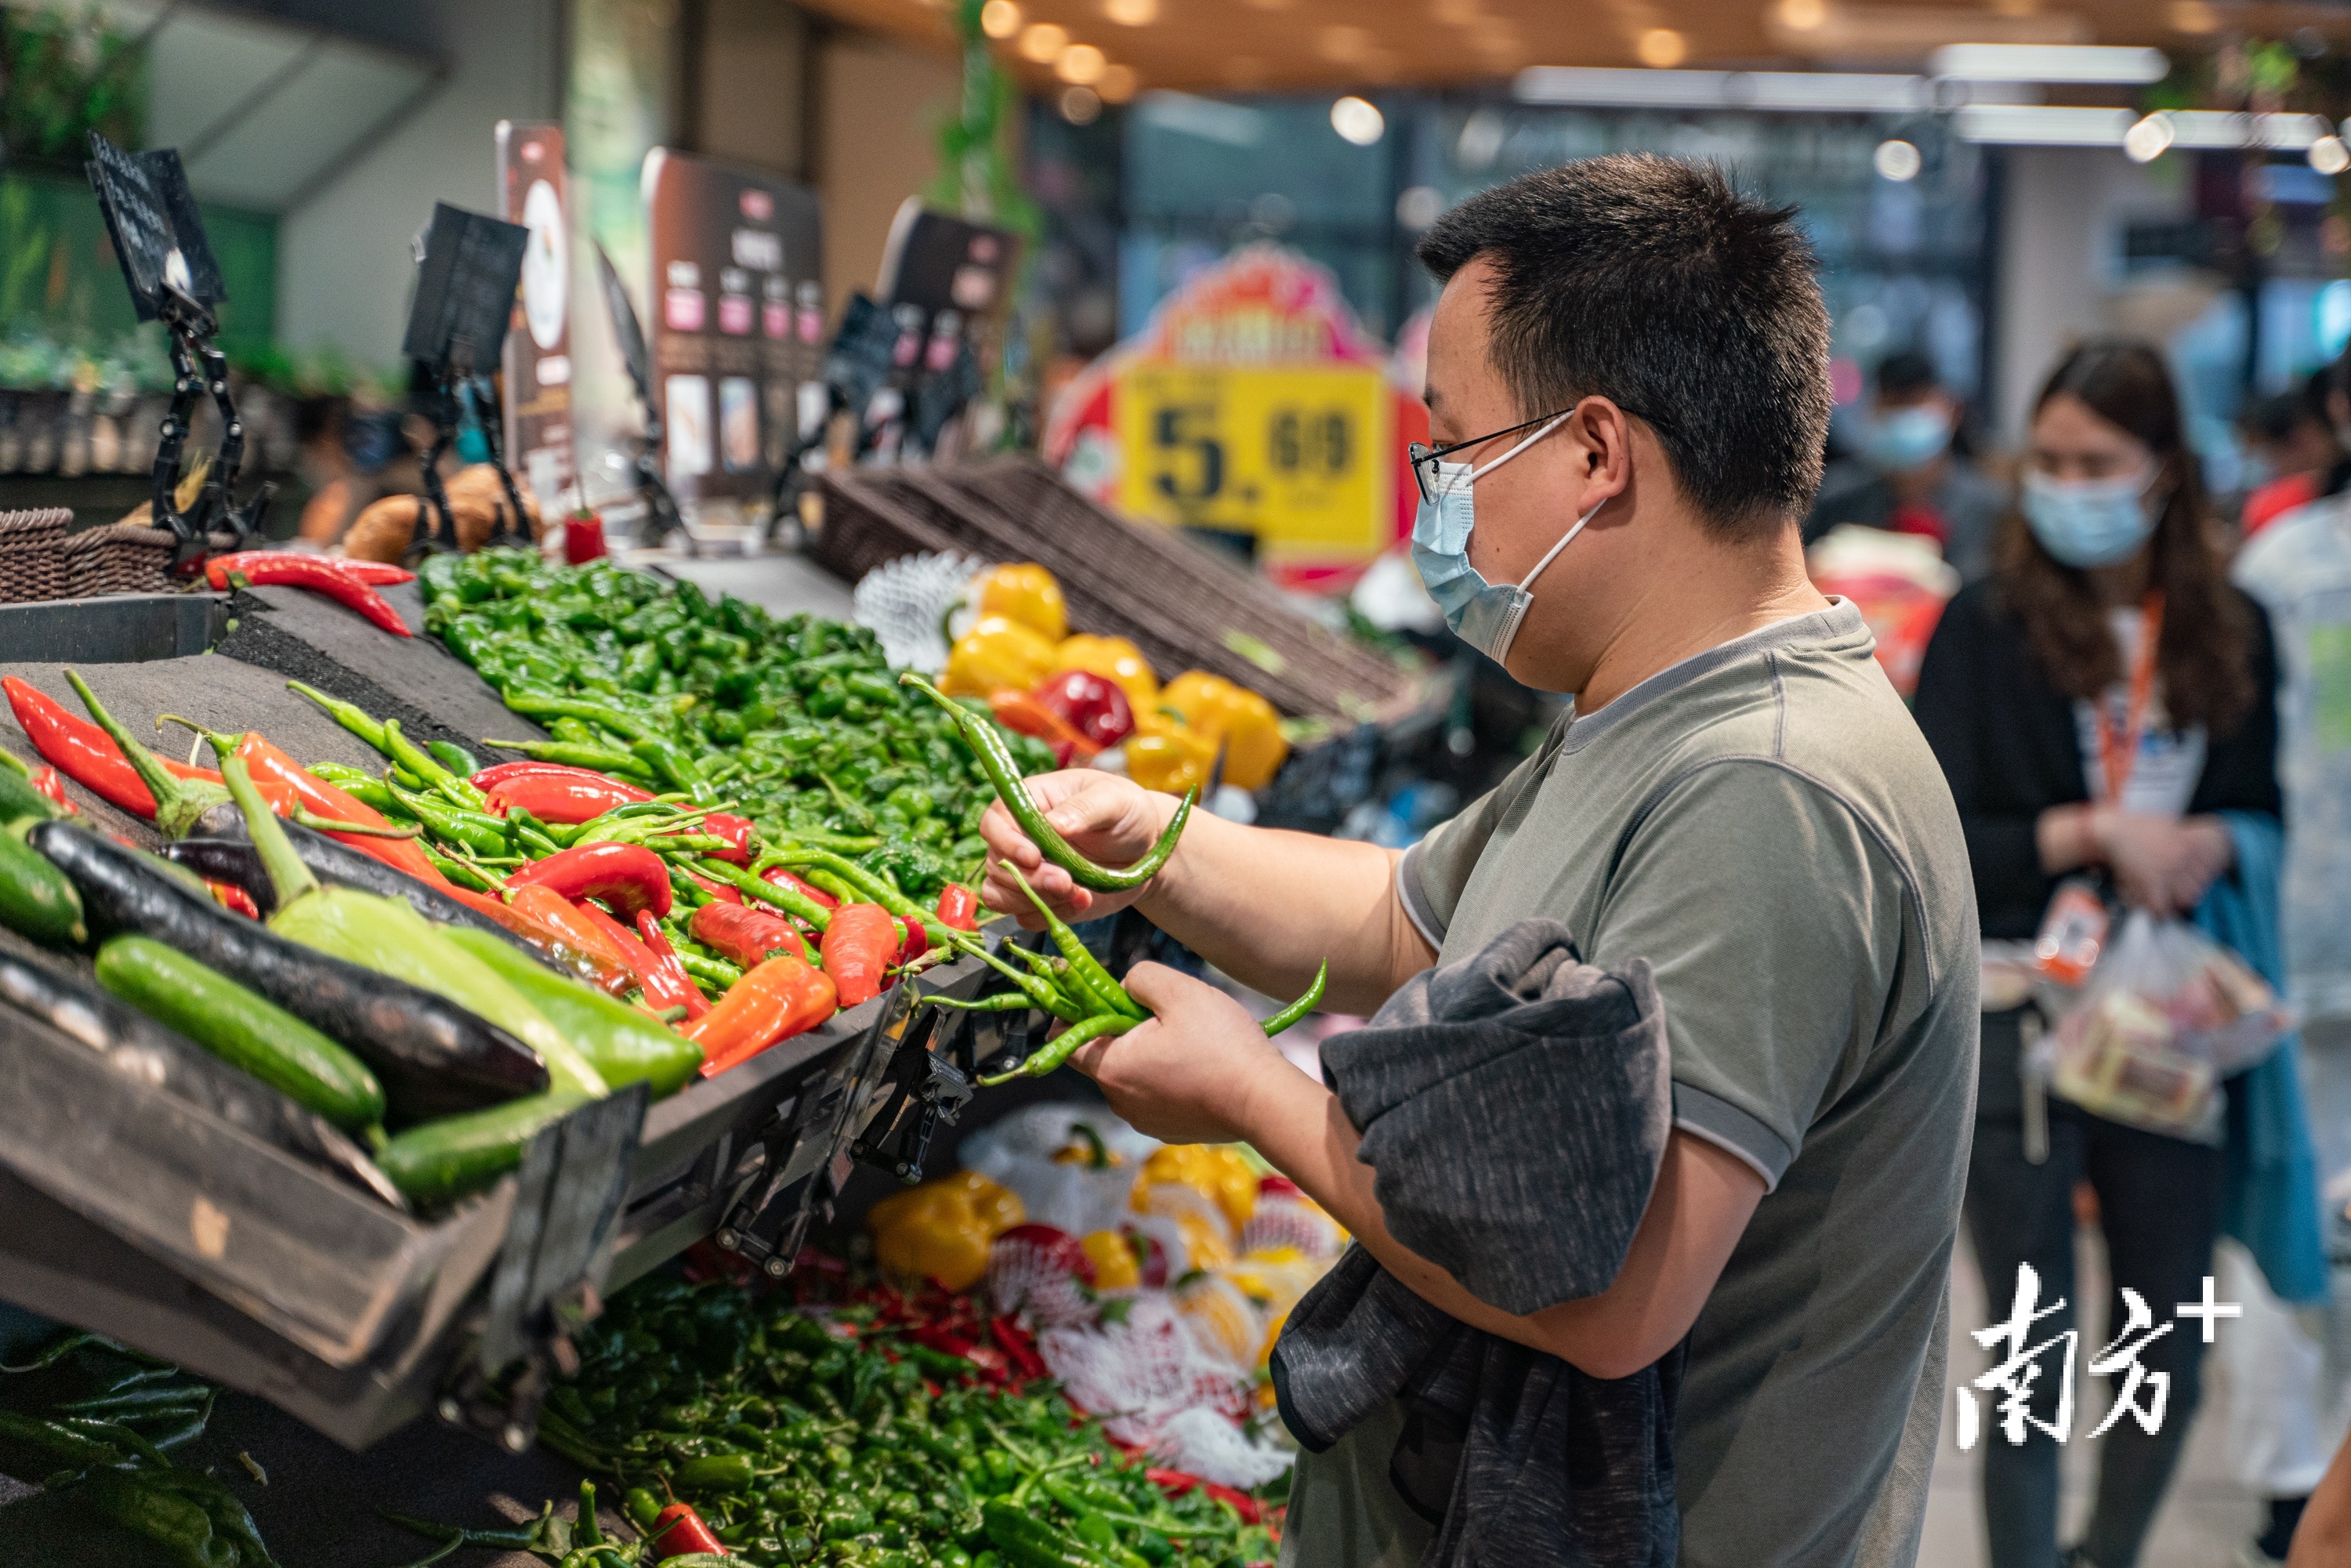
{"x":1651,"y":282}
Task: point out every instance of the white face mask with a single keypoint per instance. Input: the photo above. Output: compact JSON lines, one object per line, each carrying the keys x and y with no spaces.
{"x":1483,"y":614}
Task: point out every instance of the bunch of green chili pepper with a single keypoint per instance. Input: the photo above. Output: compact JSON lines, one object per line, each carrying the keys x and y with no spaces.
{"x":93,"y":1423}
{"x":800,"y":1445}
{"x":798,"y":719}
{"x":1079,"y":991}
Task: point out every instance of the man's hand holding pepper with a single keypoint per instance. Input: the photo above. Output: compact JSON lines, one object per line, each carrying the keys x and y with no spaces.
{"x":1109,"y":819}
{"x":1194,"y":1072}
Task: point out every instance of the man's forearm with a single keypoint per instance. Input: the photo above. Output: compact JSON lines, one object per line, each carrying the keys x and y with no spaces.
{"x":1696,"y":1212}
{"x":1267,"y":907}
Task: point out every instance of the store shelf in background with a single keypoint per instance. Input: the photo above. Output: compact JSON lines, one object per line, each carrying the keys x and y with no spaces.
{"x":1180,"y":604}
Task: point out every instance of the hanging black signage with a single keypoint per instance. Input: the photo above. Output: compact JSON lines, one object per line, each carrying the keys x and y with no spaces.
{"x":152,"y":217}
{"x":465,"y":290}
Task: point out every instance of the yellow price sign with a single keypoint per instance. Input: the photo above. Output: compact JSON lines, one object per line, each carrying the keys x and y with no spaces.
{"x":1298,"y":456}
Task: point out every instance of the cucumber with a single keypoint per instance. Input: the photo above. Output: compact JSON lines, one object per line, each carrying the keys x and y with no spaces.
{"x":623,"y":1044}
{"x":37,"y":899}
{"x":437,"y":1162}
{"x":19,"y":800}
{"x":242,"y":1029}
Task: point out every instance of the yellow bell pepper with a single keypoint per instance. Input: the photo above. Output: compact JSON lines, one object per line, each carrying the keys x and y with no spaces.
{"x":1216,"y":1172}
{"x":997,"y":654}
{"x":942,"y":1229}
{"x":1167,"y":755}
{"x":1218,"y":710}
{"x":1115,"y":660}
{"x":1113,"y":1260}
{"x":1025,"y":592}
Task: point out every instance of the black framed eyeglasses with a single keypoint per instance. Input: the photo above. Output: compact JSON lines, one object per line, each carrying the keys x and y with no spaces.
{"x":1424,"y":457}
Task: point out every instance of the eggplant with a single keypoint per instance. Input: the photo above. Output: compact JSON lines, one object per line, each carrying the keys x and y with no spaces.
{"x":432,"y":1057}
{"x":231,"y":860}
{"x":137,"y":1047}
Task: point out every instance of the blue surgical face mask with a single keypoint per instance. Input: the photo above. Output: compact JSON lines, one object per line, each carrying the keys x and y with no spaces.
{"x":1907,"y":438}
{"x":2090,"y":522}
{"x":1483,"y":614}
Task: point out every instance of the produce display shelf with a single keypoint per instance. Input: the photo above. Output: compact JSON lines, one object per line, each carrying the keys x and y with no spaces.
{"x":128,"y":1212}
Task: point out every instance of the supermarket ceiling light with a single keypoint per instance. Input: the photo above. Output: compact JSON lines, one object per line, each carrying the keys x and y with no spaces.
{"x":1896,"y":160}
{"x":2100,"y":63}
{"x":2027,"y":125}
{"x":2329,"y":156}
{"x":1118,"y":84}
{"x":2145,"y":141}
{"x":1793,"y":91}
{"x":1000,"y":19}
{"x":1081,"y":63}
{"x":1358,"y":121}
{"x":1661,"y":49}
{"x":1132,"y":13}
{"x":1043,"y":42}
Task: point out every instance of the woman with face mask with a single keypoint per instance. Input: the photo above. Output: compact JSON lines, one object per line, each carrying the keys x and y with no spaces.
{"x":2104,"y":707}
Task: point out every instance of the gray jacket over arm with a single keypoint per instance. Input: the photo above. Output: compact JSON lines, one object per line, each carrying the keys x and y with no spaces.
{"x":1515,"y":1107}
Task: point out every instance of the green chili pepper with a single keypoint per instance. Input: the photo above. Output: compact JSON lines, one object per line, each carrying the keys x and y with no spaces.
{"x":1004,"y":775}
{"x":1085,"y":969}
{"x":1065,"y":1045}
{"x":1302,"y":1005}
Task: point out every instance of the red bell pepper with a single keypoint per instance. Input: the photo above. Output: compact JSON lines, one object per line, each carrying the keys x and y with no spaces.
{"x":1022,"y":712}
{"x":777,"y":999}
{"x":574,"y":796}
{"x":85,"y":753}
{"x":675,"y":982}
{"x":375,"y":574}
{"x":1096,"y":707}
{"x":746,"y":937}
{"x":782,"y":878}
{"x":627,"y":877}
{"x":315,"y":572}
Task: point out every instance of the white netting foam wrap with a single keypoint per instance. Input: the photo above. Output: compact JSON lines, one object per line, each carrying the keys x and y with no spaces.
{"x":1018,"y":1152}
{"x":1138,"y":1375}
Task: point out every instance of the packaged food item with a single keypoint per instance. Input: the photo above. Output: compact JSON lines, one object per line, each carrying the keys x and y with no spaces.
{"x":2166,"y":1016}
{"x":2073,"y":932}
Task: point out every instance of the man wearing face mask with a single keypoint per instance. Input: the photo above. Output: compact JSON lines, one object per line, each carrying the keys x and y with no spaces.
{"x":1910,"y":478}
{"x":1628,"y":392}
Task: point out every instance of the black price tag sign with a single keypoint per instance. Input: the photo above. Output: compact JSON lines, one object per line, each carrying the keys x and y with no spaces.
{"x":152,"y":217}
{"x":626,"y":332}
{"x":943,"y":262}
{"x":465,"y":283}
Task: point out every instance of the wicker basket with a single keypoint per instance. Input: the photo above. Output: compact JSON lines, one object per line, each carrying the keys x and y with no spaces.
{"x":118,"y":558}
{"x":1182,"y":606}
{"x":31,"y":565}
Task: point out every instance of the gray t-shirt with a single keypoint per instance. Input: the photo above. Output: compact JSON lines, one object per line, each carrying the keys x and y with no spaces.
{"x":1764,"y":823}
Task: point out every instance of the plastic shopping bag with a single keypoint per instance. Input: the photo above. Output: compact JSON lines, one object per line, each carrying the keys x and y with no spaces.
{"x":2166,"y":1014}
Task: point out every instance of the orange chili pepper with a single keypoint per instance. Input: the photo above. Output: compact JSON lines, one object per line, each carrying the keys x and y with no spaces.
{"x":270,"y":765}
{"x":1021,"y":711}
{"x":547,"y":915}
{"x":861,"y":941}
{"x":744,"y":936}
{"x":781,"y":997}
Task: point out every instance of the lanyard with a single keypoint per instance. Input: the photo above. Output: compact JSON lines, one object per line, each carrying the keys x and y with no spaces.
{"x":2118,"y":750}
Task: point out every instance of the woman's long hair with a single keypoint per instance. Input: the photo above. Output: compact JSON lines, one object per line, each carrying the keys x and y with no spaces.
{"x":2206,"y":655}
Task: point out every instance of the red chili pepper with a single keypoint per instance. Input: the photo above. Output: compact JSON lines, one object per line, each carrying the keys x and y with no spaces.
{"x":497,"y":773}
{"x":627,"y":877}
{"x":860,"y":941}
{"x":629,"y":953}
{"x":579,"y":795}
{"x":376,"y":573}
{"x":1018,"y":1345}
{"x":228,"y":895}
{"x":1019,"y":711}
{"x":1176,"y":1483}
{"x":675,"y":981}
{"x":917,"y":943}
{"x":1096,"y":707}
{"x":46,"y":781}
{"x":542,"y":916}
{"x":315,"y":572}
{"x":986,"y":1357}
{"x":679,"y":1532}
{"x":778,"y":998}
{"x":269,"y":765}
{"x":782,"y":878}
{"x":741,"y":837}
{"x":746,"y":937}
{"x":717,"y":890}
{"x":85,"y":753}
{"x":958,"y":907}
